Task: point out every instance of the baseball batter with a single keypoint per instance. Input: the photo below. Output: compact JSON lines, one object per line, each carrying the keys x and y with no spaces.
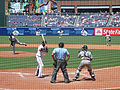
{"x":108,"y":39}
{"x":86,"y":57}
{"x":39,"y":56}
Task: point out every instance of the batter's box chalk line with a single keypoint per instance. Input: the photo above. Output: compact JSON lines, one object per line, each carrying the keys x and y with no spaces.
{"x":17,"y":73}
{"x":59,"y":74}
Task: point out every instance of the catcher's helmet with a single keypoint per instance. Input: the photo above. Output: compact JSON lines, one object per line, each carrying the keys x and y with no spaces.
{"x":85,"y":47}
{"x":61,"y":44}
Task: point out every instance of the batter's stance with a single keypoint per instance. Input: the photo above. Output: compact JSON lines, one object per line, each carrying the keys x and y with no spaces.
{"x":108,"y":39}
{"x":39,"y":56}
{"x":60,"y":61}
{"x":15,"y":41}
{"x":86,"y":57}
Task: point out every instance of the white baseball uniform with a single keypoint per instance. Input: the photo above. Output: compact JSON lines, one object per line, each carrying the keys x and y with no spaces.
{"x":13,"y":39}
{"x":108,"y":39}
{"x":84,"y":54}
{"x":83,"y":63}
{"x":39,"y":57}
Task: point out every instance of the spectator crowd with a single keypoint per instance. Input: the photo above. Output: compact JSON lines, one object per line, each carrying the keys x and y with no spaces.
{"x":65,"y":20}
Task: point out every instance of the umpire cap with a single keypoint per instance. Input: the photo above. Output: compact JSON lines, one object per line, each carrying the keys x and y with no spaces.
{"x":85,"y":47}
{"x":61,"y":44}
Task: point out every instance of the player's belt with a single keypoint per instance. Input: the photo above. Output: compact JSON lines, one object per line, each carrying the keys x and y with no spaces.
{"x":60,"y":60}
{"x":38,"y":56}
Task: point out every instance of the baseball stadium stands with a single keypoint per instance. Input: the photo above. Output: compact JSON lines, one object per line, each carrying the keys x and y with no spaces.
{"x":24,"y":20}
{"x":115,"y":22}
{"x":65,"y":20}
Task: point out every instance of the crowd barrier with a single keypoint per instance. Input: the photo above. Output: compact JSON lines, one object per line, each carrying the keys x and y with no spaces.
{"x":57,"y":31}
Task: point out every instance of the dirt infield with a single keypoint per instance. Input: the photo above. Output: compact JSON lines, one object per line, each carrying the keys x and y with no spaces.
{"x":106,"y":78}
{"x":17,"y":54}
{"x":115,"y":47}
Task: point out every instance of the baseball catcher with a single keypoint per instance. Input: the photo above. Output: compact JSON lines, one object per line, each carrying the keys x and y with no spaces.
{"x":86,"y":57}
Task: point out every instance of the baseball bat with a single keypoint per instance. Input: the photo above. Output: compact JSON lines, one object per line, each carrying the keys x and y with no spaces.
{"x":43,"y":37}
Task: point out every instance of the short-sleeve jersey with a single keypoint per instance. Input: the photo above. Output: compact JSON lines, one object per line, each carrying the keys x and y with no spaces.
{"x":12,"y":39}
{"x":84,"y":53}
{"x":60,"y":53}
{"x":107,"y":37}
{"x":39,"y":52}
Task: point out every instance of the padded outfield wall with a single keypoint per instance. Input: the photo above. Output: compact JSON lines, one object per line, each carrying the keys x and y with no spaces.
{"x":27,"y":31}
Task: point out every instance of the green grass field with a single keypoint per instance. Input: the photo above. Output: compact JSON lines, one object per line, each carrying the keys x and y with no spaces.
{"x":65,"y":39}
{"x":102,"y":58}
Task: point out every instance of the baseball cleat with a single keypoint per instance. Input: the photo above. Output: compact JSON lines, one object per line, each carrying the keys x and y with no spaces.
{"x":93,"y":78}
{"x":52,"y":81}
{"x":74,"y":79}
{"x":40,"y":77}
{"x":67,"y":81}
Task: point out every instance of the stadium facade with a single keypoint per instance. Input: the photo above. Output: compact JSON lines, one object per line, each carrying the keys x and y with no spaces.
{"x":77,"y":6}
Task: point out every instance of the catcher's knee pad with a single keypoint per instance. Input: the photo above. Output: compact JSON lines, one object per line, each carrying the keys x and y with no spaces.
{"x":78,"y":70}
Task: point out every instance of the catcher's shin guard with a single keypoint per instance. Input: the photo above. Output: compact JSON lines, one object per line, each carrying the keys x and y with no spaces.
{"x":76,"y":76}
{"x":92,"y":74}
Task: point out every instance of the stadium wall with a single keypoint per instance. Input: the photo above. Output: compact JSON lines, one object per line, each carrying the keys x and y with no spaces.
{"x":76,"y":3}
{"x":54,"y":31}
{"x":2,"y":13}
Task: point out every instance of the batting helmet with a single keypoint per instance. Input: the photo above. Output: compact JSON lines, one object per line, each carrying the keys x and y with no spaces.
{"x":43,"y":43}
{"x":61,"y":44}
{"x":85,"y":47}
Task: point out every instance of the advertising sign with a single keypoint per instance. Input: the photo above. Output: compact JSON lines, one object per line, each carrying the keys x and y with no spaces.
{"x":48,"y":31}
{"x":98,"y":31}
{"x":103,"y":31}
{"x":112,"y":31}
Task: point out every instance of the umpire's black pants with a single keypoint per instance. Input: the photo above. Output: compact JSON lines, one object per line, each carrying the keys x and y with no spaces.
{"x":60,"y":64}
